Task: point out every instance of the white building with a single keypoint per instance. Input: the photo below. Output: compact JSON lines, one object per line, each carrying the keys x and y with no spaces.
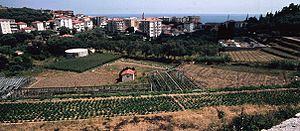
{"x":39,"y":26}
{"x":151,"y":26}
{"x":5,"y":26}
{"x":13,"y":26}
{"x":64,"y":21}
{"x":78,"y":25}
{"x":128,"y":75}
{"x":8,"y":26}
{"x":100,"y":21}
{"x":189,"y":27}
{"x":88,"y":24}
{"x":21,"y":25}
{"x":77,"y":52}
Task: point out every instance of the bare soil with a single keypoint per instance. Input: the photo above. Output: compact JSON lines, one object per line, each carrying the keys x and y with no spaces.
{"x":106,"y":74}
{"x":219,"y":78}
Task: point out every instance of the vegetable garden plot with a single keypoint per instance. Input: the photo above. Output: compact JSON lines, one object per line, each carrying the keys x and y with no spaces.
{"x":9,"y":85}
{"x":82,"y":109}
{"x":84,"y":63}
{"x":269,"y":97}
{"x":251,"y":56}
{"x":170,"y":81}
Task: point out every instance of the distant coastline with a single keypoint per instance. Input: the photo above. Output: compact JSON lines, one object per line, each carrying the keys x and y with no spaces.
{"x":205,"y":18}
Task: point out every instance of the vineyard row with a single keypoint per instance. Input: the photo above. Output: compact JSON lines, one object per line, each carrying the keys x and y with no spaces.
{"x":82,"y":109}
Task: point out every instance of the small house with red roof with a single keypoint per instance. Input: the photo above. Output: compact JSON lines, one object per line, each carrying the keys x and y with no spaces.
{"x":127,"y":74}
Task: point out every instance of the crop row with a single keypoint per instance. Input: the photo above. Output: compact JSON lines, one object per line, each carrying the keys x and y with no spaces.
{"x":170,"y":81}
{"x":271,"y":97}
{"x":82,"y":109}
{"x":252,"y":56}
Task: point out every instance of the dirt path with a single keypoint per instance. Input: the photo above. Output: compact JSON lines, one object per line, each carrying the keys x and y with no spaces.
{"x":178,"y":103}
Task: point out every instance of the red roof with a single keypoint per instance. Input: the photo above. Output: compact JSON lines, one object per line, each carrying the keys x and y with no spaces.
{"x":151,"y":19}
{"x":128,"y":72}
{"x":21,"y":23}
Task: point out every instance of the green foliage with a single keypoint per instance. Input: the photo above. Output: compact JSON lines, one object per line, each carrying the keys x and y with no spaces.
{"x":282,"y":97}
{"x":283,"y":64}
{"x":262,"y":121}
{"x":58,"y":45}
{"x":84,"y":63}
{"x":82,"y":109}
{"x":287,"y":21}
{"x":133,"y":45}
{"x":64,"y":30}
{"x":3,"y":62}
{"x":24,"y":14}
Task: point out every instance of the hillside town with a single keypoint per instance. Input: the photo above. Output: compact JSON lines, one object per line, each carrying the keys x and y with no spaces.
{"x":151,"y":27}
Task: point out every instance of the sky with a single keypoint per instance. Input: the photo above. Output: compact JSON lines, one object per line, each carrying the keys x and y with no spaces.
{"x":156,"y":6}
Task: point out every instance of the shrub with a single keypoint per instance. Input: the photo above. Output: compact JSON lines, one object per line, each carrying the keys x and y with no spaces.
{"x":283,"y":64}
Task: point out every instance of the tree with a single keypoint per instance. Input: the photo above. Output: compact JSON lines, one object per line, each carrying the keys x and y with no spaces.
{"x":64,"y":30}
{"x":26,"y":15}
{"x":3,"y":62}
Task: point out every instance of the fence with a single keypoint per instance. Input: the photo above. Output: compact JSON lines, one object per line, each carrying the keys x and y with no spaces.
{"x":50,"y":91}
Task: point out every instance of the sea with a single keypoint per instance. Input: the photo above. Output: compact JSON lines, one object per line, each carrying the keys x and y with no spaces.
{"x":205,"y":18}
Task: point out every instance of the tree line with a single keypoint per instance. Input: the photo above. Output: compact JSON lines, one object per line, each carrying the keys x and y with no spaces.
{"x":286,"y":21}
{"x":26,"y":15}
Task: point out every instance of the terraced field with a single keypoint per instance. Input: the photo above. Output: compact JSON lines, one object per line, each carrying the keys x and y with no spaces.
{"x":251,"y":56}
{"x":34,"y":111}
{"x":286,"y":47}
{"x":218,"y":78}
{"x":83,"y":109}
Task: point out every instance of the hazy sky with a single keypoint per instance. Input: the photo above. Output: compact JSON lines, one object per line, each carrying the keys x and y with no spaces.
{"x":156,"y":6}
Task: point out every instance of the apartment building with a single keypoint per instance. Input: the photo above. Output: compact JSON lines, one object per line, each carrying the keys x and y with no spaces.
{"x":116,"y":25}
{"x":165,"y":19}
{"x":100,"y":21}
{"x":152,"y":27}
{"x":78,"y":25}
{"x":64,"y":21}
{"x":190,"y":19}
{"x":189,"y":27}
{"x":39,"y":26}
{"x":5,"y":26}
{"x":13,"y":26}
{"x":59,"y":13}
{"x":8,"y":26}
{"x":132,"y":22}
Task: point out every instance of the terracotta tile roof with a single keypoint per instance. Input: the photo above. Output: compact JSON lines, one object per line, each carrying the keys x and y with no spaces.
{"x":21,"y":23}
{"x":28,"y":28}
{"x":151,"y":19}
{"x":128,"y":72}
